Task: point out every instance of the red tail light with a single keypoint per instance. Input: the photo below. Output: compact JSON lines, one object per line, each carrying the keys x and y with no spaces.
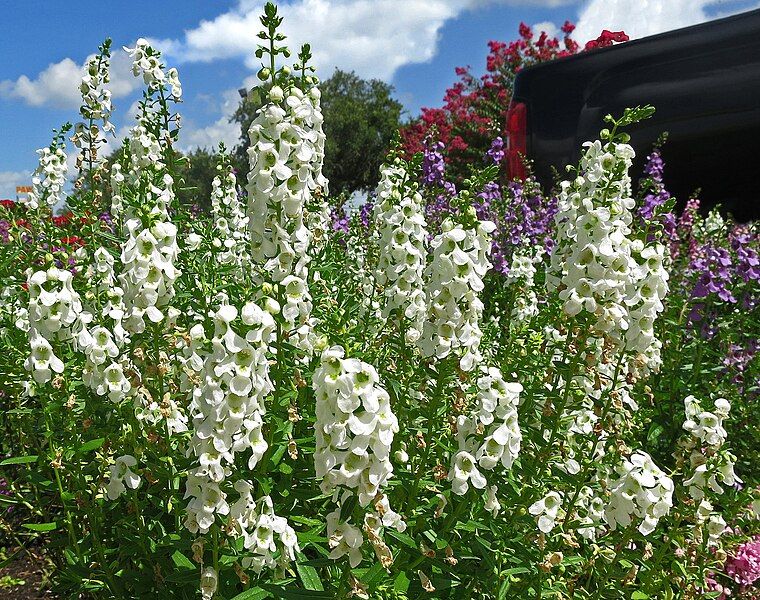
{"x":517,"y":139}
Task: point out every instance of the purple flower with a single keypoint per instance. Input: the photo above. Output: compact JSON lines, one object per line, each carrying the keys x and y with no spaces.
{"x":657,"y":194}
{"x":713,"y":266}
{"x":496,"y":151}
{"x":365,"y":213}
{"x":339,"y":220}
{"x":5,"y":228}
{"x":433,"y":165}
{"x":748,"y":262}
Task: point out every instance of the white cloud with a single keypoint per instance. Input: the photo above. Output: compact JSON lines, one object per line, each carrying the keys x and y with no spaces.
{"x":10,"y":179}
{"x":372,"y":37}
{"x":641,"y":18}
{"x":58,"y":85}
{"x":550,"y":28}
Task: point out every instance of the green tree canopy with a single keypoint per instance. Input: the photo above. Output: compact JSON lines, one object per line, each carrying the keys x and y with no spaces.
{"x":361,"y":118}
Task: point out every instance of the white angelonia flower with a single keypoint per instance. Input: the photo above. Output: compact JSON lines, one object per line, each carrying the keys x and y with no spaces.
{"x":146,"y":63}
{"x":122,"y":477}
{"x":705,"y":426}
{"x":490,"y":435}
{"x":492,"y":504}
{"x":716,"y":525}
{"x":522,"y":273}
{"x":48,"y":179}
{"x":54,"y":305}
{"x":401,"y":236}
{"x":228,"y":404}
{"x":285,"y":182}
{"x":464,"y":472}
{"x":42,"y":362}
{"x":148,"y":257}
{"x":548,"y":510}
{"x":354,"y":426}
{"x":344,"y":539}
{"x":455,"y":278}
{"x":54,"y":314}
{"x":712,"y":466}
{"x":96,"y":109}
{"x":600,"y":270}
{"x":589,"y":509}
{"x":209,"y":583}
{"x":264,"y":533}
{"x":231,"y":223}
{"x":642,"y":491}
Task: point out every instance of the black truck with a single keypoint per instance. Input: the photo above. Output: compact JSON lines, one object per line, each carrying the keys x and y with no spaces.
{"x":704,"y":82}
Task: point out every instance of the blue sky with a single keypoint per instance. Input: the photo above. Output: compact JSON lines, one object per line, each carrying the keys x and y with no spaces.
{"x":413,"y":44}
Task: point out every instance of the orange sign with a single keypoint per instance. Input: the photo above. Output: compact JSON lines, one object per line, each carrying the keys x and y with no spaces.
{"x":24,"y":189}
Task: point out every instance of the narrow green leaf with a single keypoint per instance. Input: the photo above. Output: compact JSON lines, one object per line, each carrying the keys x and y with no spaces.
{"x":297,"y":593}
{"x":91,"y":445}
{"x":403,"y":538}
{"x":19,"y":460}
{"x":253,"y":594}
{"x":181,"y":560}
{"x":41,"y":526}
{"x":309,"y":577}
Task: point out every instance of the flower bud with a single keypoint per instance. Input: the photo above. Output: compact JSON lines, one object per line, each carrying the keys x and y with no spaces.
{"x":276,"y":94}
{"x":271,"y":305}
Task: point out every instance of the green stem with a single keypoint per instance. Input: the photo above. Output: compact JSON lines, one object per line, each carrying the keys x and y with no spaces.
{"x":423,"y":465}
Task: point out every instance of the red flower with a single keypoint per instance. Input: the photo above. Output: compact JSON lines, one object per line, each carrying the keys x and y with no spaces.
{"x":526,"y":32}
{"x":568,"y":28}
{"x":73,"y":240}
{"x":9,"y":204}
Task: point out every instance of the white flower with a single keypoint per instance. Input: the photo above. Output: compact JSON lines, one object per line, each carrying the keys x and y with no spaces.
{"x":548,"y":510}
{"x":344,"y":539}
{"x":492,"y":502}
{"x":642,"y":491}
{"x":48,"y":179}
{"x":401,"y":237}
{"x":209,"y":583}
{"x":354,"y":426}
{"x":122,"y":477}
{"x":455,"y":278}
{"x":464,"y":473}
{"x":707,"y":427}
{"x":495,"y":418}
{"x":285,"y":183}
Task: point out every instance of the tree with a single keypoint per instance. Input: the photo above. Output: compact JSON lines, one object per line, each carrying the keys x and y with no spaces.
{"x":361,"y":119}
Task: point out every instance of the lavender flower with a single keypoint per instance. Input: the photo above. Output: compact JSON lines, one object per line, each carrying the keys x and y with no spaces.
{"x":433,"y":165}
{"x":657,"y":195}
{"x":340,"y":221}
{"x":365,"y":213}
{"x":496,"y":151}
{"x":714,"y":266}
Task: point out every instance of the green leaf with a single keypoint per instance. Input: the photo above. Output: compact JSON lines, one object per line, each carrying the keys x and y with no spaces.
{"x":182,"y":561}
{"x":401,"y":584}
{"x":347,"y":508}
{"x":41,"y":526}
{"x":91,"y":445}
{"x":637,"y":595}
{"x":253,"y":594}
{"x":19,"y":460}
{"x":373,"y":574}
{"x":297,"y":593}
{"x":310,"y":577}
{"x":403,"y":538}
